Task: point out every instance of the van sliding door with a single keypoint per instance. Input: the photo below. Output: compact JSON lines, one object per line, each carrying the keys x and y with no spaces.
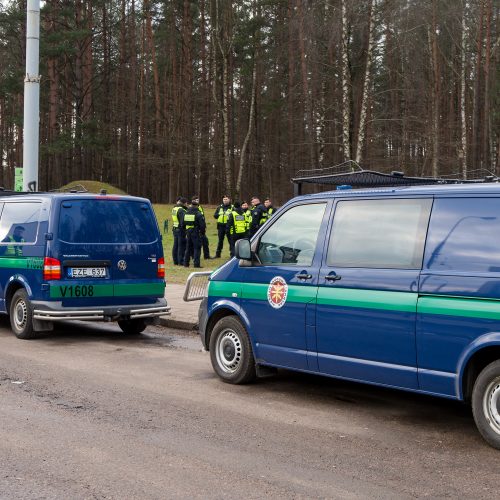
{"x":368,"y":290}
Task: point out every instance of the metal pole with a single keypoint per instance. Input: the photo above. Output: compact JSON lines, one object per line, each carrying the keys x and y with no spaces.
{"x":31,"y":98}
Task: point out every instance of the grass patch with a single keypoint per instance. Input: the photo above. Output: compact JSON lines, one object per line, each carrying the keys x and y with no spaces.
{"x":93,"y":187}
{"x":179,"y":274}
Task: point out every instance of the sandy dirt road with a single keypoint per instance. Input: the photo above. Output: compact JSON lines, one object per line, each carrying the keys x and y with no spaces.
{"x":88,"y":412}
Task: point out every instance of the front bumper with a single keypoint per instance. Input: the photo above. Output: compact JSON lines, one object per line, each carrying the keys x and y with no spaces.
{"x":54,"y":311}
{"x":202,"y":322}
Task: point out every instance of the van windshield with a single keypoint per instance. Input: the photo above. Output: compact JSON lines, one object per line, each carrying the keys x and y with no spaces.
{"x":106,"y":221}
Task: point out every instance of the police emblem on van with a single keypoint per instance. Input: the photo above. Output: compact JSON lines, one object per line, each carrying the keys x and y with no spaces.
{"x":277,"y":292}
{"x":122,"y":265}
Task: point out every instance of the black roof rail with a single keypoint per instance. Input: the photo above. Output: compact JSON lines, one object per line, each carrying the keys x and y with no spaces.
{"x":351,"y":174}
{"x":77,"y":188}
{"x":9,"y":192}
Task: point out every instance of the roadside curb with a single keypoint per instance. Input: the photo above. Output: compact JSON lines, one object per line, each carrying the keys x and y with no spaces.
{"x":178,"y":324}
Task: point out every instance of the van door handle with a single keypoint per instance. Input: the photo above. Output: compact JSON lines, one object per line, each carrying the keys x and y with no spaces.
{"x":303,"y":276}
{"x":333,"y":277}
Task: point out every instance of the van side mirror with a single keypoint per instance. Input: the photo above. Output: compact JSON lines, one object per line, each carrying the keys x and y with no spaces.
{"x":242,"y":249}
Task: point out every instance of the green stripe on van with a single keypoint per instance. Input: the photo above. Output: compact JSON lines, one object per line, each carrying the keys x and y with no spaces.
{"x":77,"y":291}
{"x":136,"y":290}
{"x":368,"y":299}
{"x":460,"y":306}
{"x":469,"y":307}
{"x":296,"y":293}
{"x":223,"y":288}
{"x":120,"y":290}
{"x":258,"y":291}
{"x":21,"y":262}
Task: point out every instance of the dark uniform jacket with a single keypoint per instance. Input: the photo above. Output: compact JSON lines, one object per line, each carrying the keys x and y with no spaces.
{"x":197,"y":224}
{"x":259,"y":216}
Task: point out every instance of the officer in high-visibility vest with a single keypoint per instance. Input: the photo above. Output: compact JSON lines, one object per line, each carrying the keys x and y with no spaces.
{"x":194,"y":225}
{"x":204,"y":240}
{"x":14,"y":249}
{"x":259,"y":215}
{"x":237,"y":224}
{"x":221,"y":213}
{"x":179,"y":248}
{"x":248,"y":215}
{"x":269,"y":207}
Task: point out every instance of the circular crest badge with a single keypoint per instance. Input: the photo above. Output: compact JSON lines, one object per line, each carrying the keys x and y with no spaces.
{"x":277,"y":292}
{"x":122,"y":265}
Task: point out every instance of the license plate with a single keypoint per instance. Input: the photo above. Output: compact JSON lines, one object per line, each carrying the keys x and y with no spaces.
{"x":86,"y":272}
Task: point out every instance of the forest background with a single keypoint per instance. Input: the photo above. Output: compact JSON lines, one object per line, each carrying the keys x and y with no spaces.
{"x":182,"y":97}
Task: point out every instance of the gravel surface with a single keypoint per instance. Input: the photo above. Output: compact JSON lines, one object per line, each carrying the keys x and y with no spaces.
{"x":88,"y":412}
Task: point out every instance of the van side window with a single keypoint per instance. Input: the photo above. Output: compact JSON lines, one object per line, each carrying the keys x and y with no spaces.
{"x":19,"y":222}
{"x":464,"y":235}
{"x":292,"y":238}
{"x":379,"y":234}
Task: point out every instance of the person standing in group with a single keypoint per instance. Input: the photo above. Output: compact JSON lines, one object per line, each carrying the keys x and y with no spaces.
{"x":195,"y":227}
{"x":259,"y":215}
{"x":179,"y":248}
{"x":248,"y":215}
{"x":204,"y":239}
{"x":269,"y":207}
{"x":221,"y":213}
{"x":237,"y":224}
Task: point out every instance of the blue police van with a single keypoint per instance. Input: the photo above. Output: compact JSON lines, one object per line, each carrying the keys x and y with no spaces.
{"x":395,"y":287}
{"x":81,"y":257}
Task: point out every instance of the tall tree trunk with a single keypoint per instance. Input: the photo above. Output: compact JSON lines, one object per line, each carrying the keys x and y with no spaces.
{"x":366,"y":85}
{"x":224,"y":43}
{"x":486,"y":154}
{"x":308,"y":108}
{"x":346,"y":81}
{"x":251,"y":121}
{"x":436,"y":93}
{"x":478,"y":102}
{"x":156,"y":79}
{"x":463,"y":90}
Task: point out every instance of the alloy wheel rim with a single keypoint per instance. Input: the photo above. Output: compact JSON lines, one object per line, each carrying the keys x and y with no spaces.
{"x":229,"y":351}
{"x":491,"y":402}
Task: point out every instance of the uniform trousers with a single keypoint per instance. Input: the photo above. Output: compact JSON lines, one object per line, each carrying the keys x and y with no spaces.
{"x":179,"y":248}
{"x":193,"y":247}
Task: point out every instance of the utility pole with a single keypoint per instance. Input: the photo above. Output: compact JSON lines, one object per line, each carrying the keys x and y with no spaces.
{"x":31,"y":98}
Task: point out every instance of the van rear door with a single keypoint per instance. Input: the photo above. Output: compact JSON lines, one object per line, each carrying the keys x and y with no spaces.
{"x":109,"y":239}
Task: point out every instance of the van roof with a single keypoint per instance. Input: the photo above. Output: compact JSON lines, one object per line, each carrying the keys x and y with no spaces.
{"x":443,"y":189}
{"x":67,"y":195}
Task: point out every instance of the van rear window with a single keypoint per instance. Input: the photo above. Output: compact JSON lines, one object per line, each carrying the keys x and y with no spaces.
{"x":106,"y":221}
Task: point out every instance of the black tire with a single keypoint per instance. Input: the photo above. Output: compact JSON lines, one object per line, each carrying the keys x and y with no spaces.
{"x":21,"y":315}
{"x":486,"y":403}
{"x":231,"y":352}
{"x":132,"y":326}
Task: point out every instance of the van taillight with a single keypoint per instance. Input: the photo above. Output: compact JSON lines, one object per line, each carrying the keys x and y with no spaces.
{"x":51,"y":269}
{"x":161,"y":267}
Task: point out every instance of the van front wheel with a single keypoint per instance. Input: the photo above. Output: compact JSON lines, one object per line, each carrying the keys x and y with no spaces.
{"x":132,"y":326}
{"x":231,"y":352}
{"x":486,"y":403}
{"x":21,"y":315}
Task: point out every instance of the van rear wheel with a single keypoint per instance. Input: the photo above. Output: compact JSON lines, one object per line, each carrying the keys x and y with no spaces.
{"x":231,"y":352}
{"x":486,"y":403}
{"x":21,"y":315}
{"x":132,"y":326}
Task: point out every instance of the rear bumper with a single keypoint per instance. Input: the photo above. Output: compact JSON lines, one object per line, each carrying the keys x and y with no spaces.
{"x":54,"y":311}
